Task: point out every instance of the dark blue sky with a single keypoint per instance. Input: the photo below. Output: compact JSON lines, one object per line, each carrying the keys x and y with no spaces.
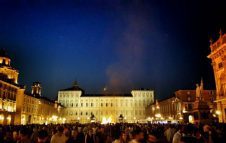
{"x":118,"y":44}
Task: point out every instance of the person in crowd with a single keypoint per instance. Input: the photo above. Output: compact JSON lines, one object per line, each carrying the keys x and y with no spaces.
{"x":34,"y":135}
{"x":89,"y":137}
{"x":188,"y":136}
{"x":138,"y":136}
{"x":24,"y":136}
{"x":151,"y":138}
{"x":122,"y":138}
{"x":43,"y":137}
{"x":169,"y":133}
{"x":8,"y":137}
{"x":100,"y":135}
{"x":74,"y":136}
{"x":59,"y":137}
{"x":177,"y":136}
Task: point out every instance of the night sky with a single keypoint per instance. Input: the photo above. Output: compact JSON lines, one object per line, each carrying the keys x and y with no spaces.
{"x":117,"y":44}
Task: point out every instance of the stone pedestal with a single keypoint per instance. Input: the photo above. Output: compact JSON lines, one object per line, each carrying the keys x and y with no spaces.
{"x":201,"y":111}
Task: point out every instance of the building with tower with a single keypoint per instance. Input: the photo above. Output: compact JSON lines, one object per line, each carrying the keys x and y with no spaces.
{"x":105,"y":108}
{"x":32,"y":108}
{"x":218,"y":58}
{"x":36,"y":89}
{"x":10,"y":90}
{"x":18,"y":107}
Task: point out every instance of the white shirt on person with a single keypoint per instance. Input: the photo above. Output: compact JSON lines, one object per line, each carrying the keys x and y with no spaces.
{"x":58,"y":138}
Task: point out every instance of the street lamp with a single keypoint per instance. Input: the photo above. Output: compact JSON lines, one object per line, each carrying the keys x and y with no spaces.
{"x":121,"y":118}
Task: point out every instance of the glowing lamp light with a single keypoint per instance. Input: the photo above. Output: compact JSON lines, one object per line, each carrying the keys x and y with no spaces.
{"x":218,"y":112}
{"x":8,"y":118}
{"x":54,"y":118}
{"x":149,"y":118}
{"x":184,"y":111}
{"x":181,"y":118}
{"x":158,"y":115}
{"x":1,"y":117}
{"x":106,"y":120}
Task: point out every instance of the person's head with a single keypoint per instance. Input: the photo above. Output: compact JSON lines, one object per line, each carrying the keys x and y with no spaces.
{"x":66,"y":132}
{"x":90,"y":131}
{"x":123,"y":136}
{"x":206,"y":128}
{"x":138,"y":134}
{"x":60,"y":129}
{"x":24,"y":133}
{"x":189,"y":129}
{"x":152,"y":138}
{"x":74,"y":132}
{"x":181,"y":128}
{"x":42,"y":136}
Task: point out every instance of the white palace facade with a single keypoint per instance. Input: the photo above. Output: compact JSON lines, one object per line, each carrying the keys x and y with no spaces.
{"x":104,"y":108}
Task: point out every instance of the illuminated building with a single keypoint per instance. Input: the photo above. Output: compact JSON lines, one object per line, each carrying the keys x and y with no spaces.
{"x":35,"y":109}
{"x":36,"y":89}
{"x":168,"y":109}
{"x":16,"y":107}
{"x":184,"y":105}
{"x":9,"y":89}
{"x":218,"y":57}
{"x":80,"y":107}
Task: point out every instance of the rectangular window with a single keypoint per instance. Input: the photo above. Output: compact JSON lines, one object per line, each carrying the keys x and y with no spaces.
{"x":220,"y":65}
{"x":189,"y":107}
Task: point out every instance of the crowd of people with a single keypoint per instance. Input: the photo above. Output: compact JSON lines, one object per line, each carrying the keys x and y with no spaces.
{"x":113,"y":133}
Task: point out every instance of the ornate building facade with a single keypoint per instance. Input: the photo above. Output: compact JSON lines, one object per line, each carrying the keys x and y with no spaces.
{"x":187,"y":105}
{"x":83,"y":108}
{"x":9,"y":89}
{"x":35,"y":109}
{"x":17,"y":107}
{"x":218,"y":58}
